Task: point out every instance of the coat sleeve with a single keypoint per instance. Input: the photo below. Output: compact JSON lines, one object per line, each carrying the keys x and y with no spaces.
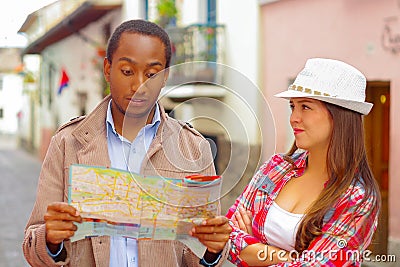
{"x":50,"y":189}
{"x":346,"y":235}
{"x":190,"y":259}
{"x":208,"y":159}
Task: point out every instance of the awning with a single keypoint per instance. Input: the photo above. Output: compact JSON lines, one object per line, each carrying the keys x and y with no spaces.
{"x":80,"y":18}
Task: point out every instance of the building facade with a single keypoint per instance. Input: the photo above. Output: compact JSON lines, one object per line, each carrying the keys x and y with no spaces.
{"x":366,"y":34}
{"x":212,"y":83}
{"x":11,"y":88}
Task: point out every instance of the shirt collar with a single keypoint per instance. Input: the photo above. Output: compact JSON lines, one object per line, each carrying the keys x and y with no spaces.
{"x":110,"y":121}
{"x":297,"y":161}
{"x":157,"y":116}
{"x":300,"y":158}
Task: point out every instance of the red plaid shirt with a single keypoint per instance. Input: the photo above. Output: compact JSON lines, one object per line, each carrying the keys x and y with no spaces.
{"x":347,"y":227}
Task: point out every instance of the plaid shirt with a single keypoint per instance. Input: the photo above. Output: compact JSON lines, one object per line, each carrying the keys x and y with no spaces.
{"x":347,"y":227}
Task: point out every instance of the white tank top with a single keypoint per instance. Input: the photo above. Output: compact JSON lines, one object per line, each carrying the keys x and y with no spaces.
{"x":281,"y":227}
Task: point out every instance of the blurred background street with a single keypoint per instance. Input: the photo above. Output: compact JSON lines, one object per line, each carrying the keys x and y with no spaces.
{"x":52,"y":54}
{"x":19,"y":172}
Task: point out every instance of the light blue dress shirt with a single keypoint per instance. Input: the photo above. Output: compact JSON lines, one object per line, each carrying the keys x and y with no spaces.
{"x":128,"y":155}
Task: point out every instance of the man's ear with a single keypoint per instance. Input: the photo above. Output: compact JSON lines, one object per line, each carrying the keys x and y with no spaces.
{"x":106,"y":69}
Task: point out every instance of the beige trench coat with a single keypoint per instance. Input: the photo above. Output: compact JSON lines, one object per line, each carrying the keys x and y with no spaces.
{"x":176,"y":151}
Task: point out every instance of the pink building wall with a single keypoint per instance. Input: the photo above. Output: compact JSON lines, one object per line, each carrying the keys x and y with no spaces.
{"x":349,"y":30}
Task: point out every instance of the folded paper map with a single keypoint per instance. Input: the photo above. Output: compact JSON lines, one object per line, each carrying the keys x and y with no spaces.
{"x":121,"y":203}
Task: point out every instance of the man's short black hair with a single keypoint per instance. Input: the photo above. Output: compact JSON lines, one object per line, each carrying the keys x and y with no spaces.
{"x":141,"y":27}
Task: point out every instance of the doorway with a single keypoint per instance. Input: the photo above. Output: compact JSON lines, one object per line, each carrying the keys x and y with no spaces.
{"x":377,"y":126}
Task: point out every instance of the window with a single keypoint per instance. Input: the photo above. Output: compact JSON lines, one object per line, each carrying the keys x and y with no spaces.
{"x":212,"y":20}
{"x":1,"y":83}
{"x":212,"y":12}
{"x":1,"y":113}
{"x":146,"y":9}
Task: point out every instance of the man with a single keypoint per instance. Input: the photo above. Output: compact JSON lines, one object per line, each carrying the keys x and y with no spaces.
{"x":127,"y":130}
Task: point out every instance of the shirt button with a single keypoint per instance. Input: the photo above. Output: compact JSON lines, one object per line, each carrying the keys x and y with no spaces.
{"x":264,"y":186}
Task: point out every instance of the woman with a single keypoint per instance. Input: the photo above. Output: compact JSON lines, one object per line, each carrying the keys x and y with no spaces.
{"x":318,"y":204}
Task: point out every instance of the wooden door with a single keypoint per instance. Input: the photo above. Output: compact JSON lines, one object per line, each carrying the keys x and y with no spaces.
{"x":377,"y":144}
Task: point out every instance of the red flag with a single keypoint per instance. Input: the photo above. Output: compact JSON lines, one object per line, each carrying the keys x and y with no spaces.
{"x":64,"y":81}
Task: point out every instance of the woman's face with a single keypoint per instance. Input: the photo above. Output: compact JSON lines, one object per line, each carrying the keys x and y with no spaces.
{"x":312,"y":124}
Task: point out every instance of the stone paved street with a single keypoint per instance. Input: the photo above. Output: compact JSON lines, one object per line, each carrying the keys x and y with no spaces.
{"x":18,"y":178}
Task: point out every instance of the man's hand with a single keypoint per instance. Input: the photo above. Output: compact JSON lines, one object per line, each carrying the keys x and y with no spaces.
{"x":213,"y":233}
{"x":59,"y":219}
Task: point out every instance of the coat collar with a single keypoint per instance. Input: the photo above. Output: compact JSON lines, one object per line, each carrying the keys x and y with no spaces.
{"x":93,"y":125}
{"x":92,"y":134}
{"x":89,"y":128}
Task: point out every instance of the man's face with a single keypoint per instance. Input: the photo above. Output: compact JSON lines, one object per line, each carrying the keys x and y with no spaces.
{"x":131,"y":74}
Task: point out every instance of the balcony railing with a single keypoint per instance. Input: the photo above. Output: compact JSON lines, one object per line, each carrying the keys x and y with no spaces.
{"x":200,"y":43}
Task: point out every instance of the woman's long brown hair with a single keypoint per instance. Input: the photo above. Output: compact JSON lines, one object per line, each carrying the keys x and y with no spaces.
{"x":347,"y":164}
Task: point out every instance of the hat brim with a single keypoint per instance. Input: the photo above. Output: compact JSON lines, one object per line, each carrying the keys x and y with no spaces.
{"x":360,"y":107}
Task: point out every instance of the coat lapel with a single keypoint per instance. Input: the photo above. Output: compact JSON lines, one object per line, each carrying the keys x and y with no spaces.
{"x":156,"y":144}
{"x":92,"y":135}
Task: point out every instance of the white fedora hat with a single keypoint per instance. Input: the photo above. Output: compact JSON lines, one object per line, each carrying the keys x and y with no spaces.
{"x":331,"y":81}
